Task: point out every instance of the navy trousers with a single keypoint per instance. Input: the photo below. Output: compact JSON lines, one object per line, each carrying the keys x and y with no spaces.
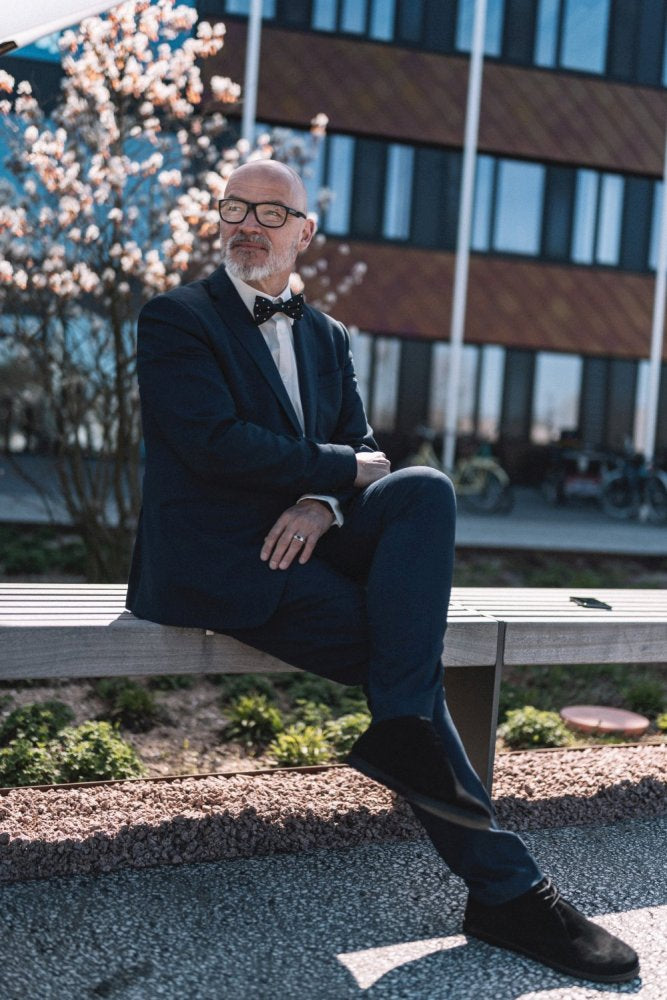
{"x":370,"y":608}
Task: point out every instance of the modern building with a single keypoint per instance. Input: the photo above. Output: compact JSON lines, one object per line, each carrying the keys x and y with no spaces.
{"x":567,"y":200}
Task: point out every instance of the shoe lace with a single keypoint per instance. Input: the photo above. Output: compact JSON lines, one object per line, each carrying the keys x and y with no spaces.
{"x":549,"y":893}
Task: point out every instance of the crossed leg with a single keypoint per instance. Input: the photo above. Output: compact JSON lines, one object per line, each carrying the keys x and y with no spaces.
{"x":370,"y":608}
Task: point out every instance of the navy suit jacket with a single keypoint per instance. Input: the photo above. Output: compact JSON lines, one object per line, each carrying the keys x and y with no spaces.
{"x":225,"y":454}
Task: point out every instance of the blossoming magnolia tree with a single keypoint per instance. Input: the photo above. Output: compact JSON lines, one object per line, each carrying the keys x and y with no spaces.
{"x":114,"y":200}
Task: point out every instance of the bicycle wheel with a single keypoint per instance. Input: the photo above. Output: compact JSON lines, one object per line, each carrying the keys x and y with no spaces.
{"x":656,"y":494}
{"x":488,"y":497}
{"x":618,"y":498}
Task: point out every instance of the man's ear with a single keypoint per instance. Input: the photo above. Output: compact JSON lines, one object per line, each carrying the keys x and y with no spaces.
{"x":307,"y":233}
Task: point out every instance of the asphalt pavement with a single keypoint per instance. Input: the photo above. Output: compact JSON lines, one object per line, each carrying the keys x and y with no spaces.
{"x":578,"y":525}
{"x":381,"y":922}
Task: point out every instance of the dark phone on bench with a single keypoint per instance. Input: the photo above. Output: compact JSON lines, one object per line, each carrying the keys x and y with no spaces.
{"x":590,"y":602}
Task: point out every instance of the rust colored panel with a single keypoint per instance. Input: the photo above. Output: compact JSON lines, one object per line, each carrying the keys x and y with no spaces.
{"x":513,"y":302}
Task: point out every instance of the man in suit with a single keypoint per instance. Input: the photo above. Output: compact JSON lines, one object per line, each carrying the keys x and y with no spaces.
{"x":270,"y":514}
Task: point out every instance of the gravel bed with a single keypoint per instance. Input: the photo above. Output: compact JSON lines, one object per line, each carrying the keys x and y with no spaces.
{"x":65,"y":831}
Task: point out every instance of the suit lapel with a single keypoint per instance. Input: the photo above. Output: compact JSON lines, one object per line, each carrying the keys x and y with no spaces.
{"x":241,"y":325}
{"x":305,"y":348}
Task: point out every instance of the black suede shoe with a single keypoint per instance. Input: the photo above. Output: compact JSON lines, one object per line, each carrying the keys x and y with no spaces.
{"x":406,"y":755}
{"x":543,"y":926}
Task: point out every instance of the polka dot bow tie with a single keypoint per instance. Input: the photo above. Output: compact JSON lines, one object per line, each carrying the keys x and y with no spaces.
{"x":265,"y":308}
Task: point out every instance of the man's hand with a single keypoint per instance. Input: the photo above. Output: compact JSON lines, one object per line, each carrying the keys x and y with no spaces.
{"x":371,"y":466}
{"x":307,"y":520}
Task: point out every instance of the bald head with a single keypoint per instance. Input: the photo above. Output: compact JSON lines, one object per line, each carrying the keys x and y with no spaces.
{"x":269,"y":174}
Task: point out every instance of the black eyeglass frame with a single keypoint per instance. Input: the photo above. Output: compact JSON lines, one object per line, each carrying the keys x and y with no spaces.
{"x":254,"y":205}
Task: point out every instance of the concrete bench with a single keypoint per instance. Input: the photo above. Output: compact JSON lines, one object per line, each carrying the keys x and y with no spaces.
{"x":83,"y":630}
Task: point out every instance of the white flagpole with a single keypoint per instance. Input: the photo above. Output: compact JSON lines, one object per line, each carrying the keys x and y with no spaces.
{"x":658,"y":328}
{"x":251,"y":73}
{"x":463,"y":235}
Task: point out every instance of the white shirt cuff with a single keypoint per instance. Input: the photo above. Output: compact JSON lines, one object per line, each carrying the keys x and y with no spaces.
{"x":332,"y":502}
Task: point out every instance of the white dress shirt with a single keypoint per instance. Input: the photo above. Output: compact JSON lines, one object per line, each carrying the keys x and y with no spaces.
{"x":277,"y":332}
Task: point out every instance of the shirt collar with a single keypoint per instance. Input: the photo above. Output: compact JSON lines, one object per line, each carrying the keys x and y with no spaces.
{"x":248,"y":293}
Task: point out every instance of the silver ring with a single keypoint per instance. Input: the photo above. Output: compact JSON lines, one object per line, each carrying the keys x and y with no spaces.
{"x":298,"y":538}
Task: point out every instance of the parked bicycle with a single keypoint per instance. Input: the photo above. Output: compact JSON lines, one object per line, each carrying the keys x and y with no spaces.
{"x":480,"y":482}
{"x":638,"y":490}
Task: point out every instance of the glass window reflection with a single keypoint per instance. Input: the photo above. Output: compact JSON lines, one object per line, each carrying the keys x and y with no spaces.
{"x":494,"y":26}
{"x":556,"y":395}
{"x":609,"y":219}
{"x":585,"y":212}
{"x":383,"y":13}
{"x":324,"y":15}
{"x":546,"y":35}
{"x":339,"y":179}
{"x":584,"y":40}
{"x":398,"y":192}
{"x":658,"y":190}
{"x":481,"y":220}
{"x":353,"y":16}
{"x":520,"y":191}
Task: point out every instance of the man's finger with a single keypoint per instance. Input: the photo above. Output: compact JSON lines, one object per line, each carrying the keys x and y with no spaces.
{"x":308,"y":548}
{"x":294,"y":546}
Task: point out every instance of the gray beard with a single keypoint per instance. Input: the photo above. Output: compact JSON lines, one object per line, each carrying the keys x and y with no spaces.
{"x":247,"y":271}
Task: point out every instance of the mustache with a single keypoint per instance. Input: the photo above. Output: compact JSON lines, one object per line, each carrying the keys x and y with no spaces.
{"x":261,"y":241}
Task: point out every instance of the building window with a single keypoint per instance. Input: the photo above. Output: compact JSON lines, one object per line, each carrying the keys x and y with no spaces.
{"x":558,"y":212}
{"x":518,"y":215}
{"x":493,"y":29}
{"x":655,"y":225}
{"x":339,"y":181}
{"x":583,"y":42}
{"x":386,"y":358}
{"x":398,"y":192}
{"x":243,"y":7}
{"x":368,"y":188}
{"x":485,"y":171}
{"x":383,"y":13}
{"x":556,"y":395}
{"x":609,"y":219}
{"x":546,"y":38}
{"x":435,"y":198}
{"x":622,"y":39}
{"x":597,"y":218}
{"x":467,"y":403}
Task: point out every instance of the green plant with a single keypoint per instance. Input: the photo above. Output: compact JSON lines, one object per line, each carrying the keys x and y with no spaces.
{"x":39,"y":550}
{"x":107,"y":688}
{"x":530,"y":727}
{"x":310,"y":687}
{"x":252,"y":720}
{"x":134,"y":707}
{"x":346,"y":730}
{"x":23,"y":763}
{"x":311,"y":713}
{"x":299,"y":745}
{"x":645,"y":695}
{"x":661,"y":722}
{"x":36,"y":723}
{"x":94,"y":751}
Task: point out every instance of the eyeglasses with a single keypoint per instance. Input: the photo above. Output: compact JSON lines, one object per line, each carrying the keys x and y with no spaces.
{"x":271,"y":214}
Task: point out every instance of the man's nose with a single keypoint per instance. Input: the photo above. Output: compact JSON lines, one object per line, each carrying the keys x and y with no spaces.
{"x":250,"y":223}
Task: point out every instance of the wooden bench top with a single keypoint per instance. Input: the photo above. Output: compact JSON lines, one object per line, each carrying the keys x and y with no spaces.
{"x":51,"y":629}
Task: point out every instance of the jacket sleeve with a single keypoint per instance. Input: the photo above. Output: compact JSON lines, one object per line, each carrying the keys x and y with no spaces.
{"x":187,"y":402}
